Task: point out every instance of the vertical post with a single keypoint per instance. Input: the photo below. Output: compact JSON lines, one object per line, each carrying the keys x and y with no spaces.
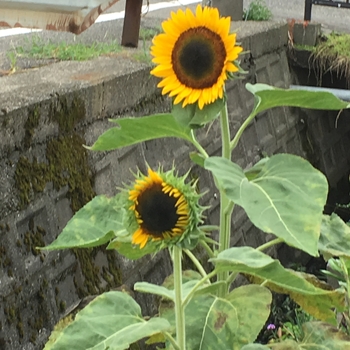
{"x":229,"y":8}
{"x":307,"y":11}
{"x":132,"y":20}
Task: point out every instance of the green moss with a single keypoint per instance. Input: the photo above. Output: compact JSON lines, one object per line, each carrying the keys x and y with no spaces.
{"x":33,"y":238}
{"x":90,"y":272}
{"x":13,"y":316}
{"x":62,"y":306}
{"x":67,"y":116}
{"x":5,"y":261}
{"x":30,"y":125}
{"x":66,"y":164}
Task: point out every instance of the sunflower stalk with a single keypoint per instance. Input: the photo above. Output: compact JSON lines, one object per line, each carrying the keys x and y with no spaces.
{"x":179,"y":308}
{"x":226,"y":206}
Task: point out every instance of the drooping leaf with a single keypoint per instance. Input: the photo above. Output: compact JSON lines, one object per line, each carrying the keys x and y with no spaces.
{"x":319,"y":302}
{"x":131,"y":251}
{"x":267,"y":97}
{"x":252,"y":303}
{"x":286,"y":197}
{"x":112,"y":320}
{"x":325,"y":335}
{"x":317,"y":335}
{"x":335,"y":237}
{"x":194,"y":117}
{"x":93,"y":225}
{"x":134,"y":130}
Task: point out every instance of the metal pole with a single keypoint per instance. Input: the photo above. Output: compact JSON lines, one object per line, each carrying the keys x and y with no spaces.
{"x":132,"y":20}
{"x":307,"y":11}
{"x":340,"y":93}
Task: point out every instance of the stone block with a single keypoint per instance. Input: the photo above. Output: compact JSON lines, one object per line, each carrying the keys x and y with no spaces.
{"x":306,"y":34}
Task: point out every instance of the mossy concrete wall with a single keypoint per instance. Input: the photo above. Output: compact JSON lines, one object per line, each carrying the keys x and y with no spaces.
{"x":46,"y":115}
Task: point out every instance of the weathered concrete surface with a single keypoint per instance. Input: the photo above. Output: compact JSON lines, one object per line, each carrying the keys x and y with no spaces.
{"x":46,"y":115}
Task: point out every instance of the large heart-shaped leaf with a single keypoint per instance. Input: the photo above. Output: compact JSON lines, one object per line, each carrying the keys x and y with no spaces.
{"x":335,"y":237}
{"x":134,"y":130}
{"x":285,"y":196}
{"x":267,"y":97}
{"x":319,"y":302}
{"x":217,"y":323}
{"x":113,"y":320}
{"x":93,"y":225}
{"x":252,"y":303}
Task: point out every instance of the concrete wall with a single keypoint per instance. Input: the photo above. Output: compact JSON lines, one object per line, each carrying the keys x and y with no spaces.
{"x":46,"y":175}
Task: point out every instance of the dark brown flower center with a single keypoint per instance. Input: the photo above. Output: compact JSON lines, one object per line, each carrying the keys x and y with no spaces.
{"x":157,"y":210}
{"x":198,"y":58}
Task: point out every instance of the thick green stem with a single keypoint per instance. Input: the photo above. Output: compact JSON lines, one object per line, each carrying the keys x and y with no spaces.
{"x":225,"y":133}
{"x":239,"y":133}
{"x":225,"y":206}
{"x":179,"y":309}
{"x":269,"y":244}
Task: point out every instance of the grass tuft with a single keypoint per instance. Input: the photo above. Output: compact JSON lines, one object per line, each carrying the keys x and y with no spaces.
{"x":67,"y":52}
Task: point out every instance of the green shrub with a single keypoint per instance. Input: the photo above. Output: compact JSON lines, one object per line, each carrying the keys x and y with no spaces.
{"x":257,"y":11}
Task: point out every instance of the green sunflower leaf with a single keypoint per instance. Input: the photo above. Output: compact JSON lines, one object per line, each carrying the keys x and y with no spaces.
{"x":217,"y":323}
{"x":131,"y":251}
{"x":285,"y":196}
{"x":262,"y":268}
{"x":112,"y":320}
{"x":197,"y":159}
{"x":317,"y":335}
{"x":267,"y":97}
{"x":134,"y":130}
{"x":335,"y":237}
{"x":255,"y":347}
{"x":93,"y":225}
{"x":194,"y":117}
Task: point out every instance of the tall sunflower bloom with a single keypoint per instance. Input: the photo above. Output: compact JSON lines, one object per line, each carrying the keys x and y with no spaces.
{"x":164,"y":209}
{"x":194,"y":56}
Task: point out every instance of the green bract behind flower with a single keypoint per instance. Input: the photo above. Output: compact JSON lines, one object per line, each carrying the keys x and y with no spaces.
{"x":164,"y":209}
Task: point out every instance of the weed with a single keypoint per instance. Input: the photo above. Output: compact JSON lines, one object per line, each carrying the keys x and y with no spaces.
{"x":12,"y":56}
{"x":67,"y":52}
{"x":257,"y":11}
{"x":332,"y":53}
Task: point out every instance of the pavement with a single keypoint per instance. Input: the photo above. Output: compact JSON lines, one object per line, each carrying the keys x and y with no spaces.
{"x":331,"y":19}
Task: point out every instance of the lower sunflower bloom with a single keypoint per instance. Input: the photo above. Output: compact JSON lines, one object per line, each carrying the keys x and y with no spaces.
{"x":164,"y":208}
{"x":194,"y":56}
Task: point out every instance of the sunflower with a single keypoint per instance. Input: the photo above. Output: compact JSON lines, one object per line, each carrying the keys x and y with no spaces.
{"x":194,"y":56}
{"x":164,"y":208}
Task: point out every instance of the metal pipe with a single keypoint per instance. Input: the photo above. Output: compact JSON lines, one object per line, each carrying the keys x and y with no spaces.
{"x":307,"y":10}
{"x":340,"y":93}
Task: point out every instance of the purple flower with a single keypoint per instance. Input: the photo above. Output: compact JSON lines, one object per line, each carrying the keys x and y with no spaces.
{"x":271,"y":326}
